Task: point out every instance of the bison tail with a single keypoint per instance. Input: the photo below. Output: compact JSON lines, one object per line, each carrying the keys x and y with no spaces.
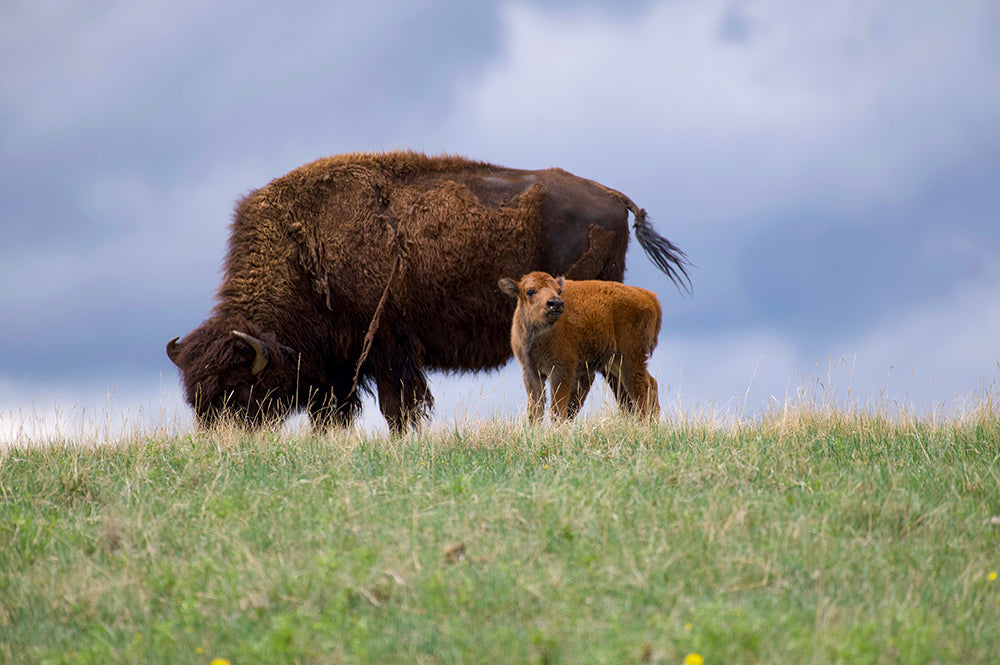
{"x":667,"y":256}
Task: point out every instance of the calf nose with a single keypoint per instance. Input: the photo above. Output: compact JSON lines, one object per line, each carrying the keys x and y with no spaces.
{"x":555,"y":305}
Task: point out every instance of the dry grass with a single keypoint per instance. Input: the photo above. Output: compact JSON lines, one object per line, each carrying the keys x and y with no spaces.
{"x":815,"y":532}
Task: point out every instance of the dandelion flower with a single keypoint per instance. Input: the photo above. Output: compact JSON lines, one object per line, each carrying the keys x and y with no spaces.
{"x":693,"y":659}
{"x":993,"y":575}
{"x":688,"y":626}
{"x":220,"y":661}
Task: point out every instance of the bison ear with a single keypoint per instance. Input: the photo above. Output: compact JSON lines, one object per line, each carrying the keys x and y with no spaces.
{"x":561,"y":281}
{"x":509,"y":286}
{"x":174,"y":350}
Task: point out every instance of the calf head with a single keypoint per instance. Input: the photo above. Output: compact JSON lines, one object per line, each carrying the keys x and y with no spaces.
{"x":538,"y":295}
{"x":231,"y":375}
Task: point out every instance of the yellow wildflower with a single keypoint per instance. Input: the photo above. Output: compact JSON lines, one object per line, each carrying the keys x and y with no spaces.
{"x":993,"y":575}
{"x":220,"y":661}
{"x":693,"y":659}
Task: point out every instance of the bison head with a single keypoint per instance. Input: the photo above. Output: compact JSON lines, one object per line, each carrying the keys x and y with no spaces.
{"x":232,"y":375}
{"x":538,"y":297}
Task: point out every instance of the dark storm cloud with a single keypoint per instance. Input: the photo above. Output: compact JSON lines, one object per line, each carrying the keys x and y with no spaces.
{"x":831,"y":168}
{"x":130,"y":131}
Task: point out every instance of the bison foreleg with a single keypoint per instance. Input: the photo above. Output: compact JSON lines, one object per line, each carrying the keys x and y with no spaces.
{"x":405,"y":405}
{"x":405,"y":402}
{"x":583,"y":383}
{"x":564,"y":392}
{"x":334,"y":411}
{"x":534,"y":384}
{"x":403,"y":395}
{"x":334,"y":403}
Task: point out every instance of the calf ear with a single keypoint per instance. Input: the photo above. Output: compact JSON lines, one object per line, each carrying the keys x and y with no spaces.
{"x":561,"y":281}
{"x":509,"y":286}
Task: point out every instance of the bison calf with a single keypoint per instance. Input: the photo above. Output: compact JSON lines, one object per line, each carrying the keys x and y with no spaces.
{"x":566,"y":330}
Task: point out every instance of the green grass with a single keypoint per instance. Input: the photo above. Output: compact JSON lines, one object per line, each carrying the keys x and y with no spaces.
{"x":801,"y":538}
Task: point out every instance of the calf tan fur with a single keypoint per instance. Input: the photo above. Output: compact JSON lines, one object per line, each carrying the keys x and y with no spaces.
{"x":565,"y":331}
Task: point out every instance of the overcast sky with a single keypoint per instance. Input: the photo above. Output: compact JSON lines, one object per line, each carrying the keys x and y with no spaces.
{"x":832,"y":169}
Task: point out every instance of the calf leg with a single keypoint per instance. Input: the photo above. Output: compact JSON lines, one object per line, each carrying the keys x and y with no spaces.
{"x":564,"y":392}
{"x":612,"y":374}
{"x":649,"y":405}
{"x":583,"y":383}
{"x":634,"y":388}
{"x":534,"y":384}
{"x":642,"y":390}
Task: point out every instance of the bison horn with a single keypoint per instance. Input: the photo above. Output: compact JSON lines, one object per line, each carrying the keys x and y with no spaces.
{"x":174,"y":350}
{"x":261,"y":357}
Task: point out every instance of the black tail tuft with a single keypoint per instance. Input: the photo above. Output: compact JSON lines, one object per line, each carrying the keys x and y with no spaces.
{"x":667,"y":256}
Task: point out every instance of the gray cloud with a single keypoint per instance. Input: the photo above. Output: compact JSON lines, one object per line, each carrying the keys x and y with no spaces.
{"x":831,"y":169}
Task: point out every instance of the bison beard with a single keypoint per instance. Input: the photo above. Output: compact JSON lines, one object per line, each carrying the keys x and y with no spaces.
{"x":390,"y":259}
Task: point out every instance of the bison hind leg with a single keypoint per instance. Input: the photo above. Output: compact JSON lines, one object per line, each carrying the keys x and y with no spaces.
{"x":649,"y":405}
{"x":634,"y":387}
{"x":625,"y":403}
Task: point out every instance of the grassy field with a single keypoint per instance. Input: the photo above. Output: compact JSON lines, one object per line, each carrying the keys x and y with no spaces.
{"x":802,"y":537}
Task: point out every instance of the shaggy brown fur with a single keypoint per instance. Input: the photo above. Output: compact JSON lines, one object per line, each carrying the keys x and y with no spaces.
{"x":311,"y":255}
{"x":565,"y":331}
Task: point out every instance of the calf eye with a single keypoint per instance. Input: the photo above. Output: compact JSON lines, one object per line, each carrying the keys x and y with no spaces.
{"x":530,"y":293}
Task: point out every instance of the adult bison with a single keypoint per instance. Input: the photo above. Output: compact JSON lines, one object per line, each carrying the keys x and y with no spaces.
{"x":364,"y":268}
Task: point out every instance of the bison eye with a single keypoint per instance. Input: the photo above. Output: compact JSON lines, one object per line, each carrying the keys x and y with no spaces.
{"x":530,"y":293}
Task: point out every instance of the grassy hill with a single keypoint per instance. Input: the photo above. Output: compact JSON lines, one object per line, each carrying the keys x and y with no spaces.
{"x":803,"y":537}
